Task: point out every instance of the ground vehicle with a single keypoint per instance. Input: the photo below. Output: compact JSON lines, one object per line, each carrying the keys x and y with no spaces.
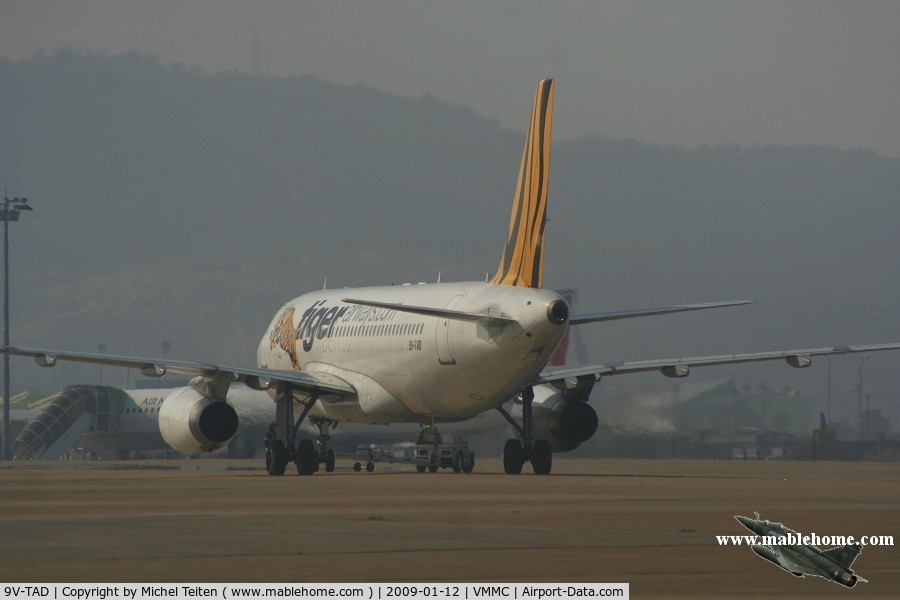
{"x":434,"y":451}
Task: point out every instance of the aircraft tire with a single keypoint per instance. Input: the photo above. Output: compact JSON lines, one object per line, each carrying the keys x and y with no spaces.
{"x":357,"y":467}
{"x":307,"y":458}
{"x":513,"y":457}
{"x":329,"y":461}
{"x":542,"y":457}
{"x":370,"y":466}
{"x":432,"y":469}
{"x":276,"y":458}
{"x":420,"y":468}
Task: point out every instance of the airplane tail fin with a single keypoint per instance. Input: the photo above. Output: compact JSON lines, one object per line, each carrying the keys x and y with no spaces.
{"x":522,"y":264}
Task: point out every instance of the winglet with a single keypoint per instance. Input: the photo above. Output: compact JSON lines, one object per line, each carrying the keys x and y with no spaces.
{"x":522,"y":264}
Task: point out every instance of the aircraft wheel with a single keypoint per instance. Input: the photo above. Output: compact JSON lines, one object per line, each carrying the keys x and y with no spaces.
{"x":420,"y":468}
{"x":542,"y":457}
{"x":370,"y":467}
{"x":513,"y":457}
{"x":357,"y":467}
{"x":469,"y":465}
{"x":432,"y":469}
{"x":276,"y":457}
{"x":329,"y":461}
{"x":307,"y":458}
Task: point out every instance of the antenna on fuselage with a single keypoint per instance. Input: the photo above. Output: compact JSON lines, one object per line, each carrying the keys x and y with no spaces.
{"x":325,"y":284}
{"x":439,"y":277}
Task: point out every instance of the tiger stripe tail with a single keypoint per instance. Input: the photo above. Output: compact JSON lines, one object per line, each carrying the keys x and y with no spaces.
{"x":522,"y":264}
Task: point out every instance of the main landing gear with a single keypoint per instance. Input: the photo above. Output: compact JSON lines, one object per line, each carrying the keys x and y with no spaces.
{"x":305,"y":454}
{"x":516,"y":452}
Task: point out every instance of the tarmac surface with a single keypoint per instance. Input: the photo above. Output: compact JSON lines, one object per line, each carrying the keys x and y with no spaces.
{"x":649,"y":523}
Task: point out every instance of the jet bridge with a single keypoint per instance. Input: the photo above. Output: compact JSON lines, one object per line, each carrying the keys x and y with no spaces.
{"x":77,"y":410}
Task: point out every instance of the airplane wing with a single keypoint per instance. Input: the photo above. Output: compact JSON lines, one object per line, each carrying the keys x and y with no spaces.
{"x":680,"y":367}
{"x":259,"y":379}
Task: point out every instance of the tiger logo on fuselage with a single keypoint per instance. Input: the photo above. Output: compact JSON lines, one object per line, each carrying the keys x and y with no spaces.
{"x":284,"y":335}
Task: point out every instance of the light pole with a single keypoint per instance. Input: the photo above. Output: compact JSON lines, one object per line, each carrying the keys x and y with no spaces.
{"x":12,"y":207}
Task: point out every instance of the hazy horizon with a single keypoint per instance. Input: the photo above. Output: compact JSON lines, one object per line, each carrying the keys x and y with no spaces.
{"x":686,"y":73}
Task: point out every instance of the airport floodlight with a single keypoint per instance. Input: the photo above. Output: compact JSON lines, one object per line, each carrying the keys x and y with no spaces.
{"x":11,"y":210}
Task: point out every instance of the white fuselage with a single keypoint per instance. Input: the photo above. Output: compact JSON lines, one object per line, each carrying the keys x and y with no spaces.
{"x":405,"y":366}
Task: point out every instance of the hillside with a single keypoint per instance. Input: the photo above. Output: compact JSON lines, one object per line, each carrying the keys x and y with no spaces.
{"x":176,"y":204}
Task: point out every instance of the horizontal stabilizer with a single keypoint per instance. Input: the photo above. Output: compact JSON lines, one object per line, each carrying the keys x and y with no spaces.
{"x":441,"y":313}
{"x":649,"y":312}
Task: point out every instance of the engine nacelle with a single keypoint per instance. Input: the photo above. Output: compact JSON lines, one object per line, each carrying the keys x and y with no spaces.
{"x":191,"y":423}
{"x":566,"y":424}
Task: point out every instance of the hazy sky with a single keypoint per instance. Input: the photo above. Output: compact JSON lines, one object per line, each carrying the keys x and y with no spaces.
{"x":687,"y":72}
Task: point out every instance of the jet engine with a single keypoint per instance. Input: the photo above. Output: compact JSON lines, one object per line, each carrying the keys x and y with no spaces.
{"x":563,"y":417}
{"x":192,"y":423}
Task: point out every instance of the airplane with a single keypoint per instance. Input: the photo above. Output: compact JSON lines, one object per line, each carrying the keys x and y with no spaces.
{"x":804,"y":559}
{"x":412,"y":353}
